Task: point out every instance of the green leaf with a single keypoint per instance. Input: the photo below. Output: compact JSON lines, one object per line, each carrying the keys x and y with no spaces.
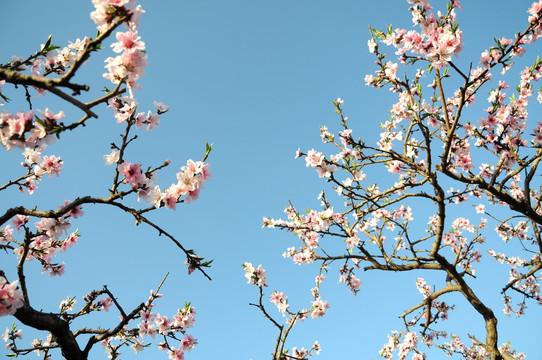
{"x":206,"y":263}
{"x":208,"y":149}
{"x":5,"y":98}
{"x":390,"y":29}
{"x":454,"y":28}
{"x":50,"y":48}
{"x":48,"y":42}
{"x":55,"y":130}
{"x":40,"y":121}
{"x":48,"y":45}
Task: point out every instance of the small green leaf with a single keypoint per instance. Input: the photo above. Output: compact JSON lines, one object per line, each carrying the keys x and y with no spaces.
{"x":55,"y":130}
{"x":5,"y":98}
{"x":50,"y":48}
{"x":40,"y":121}
{"x":208,"y":149}
{"x":48,"y":42}
{"x":390,"y":29}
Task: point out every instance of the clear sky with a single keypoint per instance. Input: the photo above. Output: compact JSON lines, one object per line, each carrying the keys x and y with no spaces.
{"x":257,"y":79}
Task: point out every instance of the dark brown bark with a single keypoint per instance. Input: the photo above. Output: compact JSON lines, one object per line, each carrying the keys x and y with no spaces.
{"x":59,"y":328}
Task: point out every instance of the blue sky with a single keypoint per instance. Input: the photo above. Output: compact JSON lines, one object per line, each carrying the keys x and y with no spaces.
{"x":258,"y":80}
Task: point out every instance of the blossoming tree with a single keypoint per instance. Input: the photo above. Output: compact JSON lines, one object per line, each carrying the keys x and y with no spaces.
{"x":435,"y":194}
{"x":39,"y":235}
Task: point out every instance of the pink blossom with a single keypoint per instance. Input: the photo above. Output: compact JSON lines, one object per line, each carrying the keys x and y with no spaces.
{"x":314,"y":158}
{"x":137,"y":346}
{"x":371,"y":43}
{"x":391,"y":70}
{"x":353,"y":283}
{"x":480,"y":209}
{"x":155,"y":196}
{"x":153,"y":120}
{"x":105,"y":303}
{"x":49,"y":118}
{"x":185,"y":317}
{"x":187,"y":182}
{"x":106,"y":9}
{"x":369,"y":79}
{"x":171,"y":197}
{"x":395,"y":166}
{"x":19,"y":221}
{"x":132,"y":174}
{"x":317,"y":347}
{"x":50,"y":165}
{"x":326,"y":169}
{"x":192,"y":195}
{"x":17,"y":126}
{"x":56,"y":269}
{"x":128,"y":41}
{"x":188,"y":343}
{"x":319,"y":308}
{"x":32,"y":156}
{"x":535,"y":10}
{"x":70,"y":241}
{"x":5,"y":335}
{"x":304,"y":257}
{"x":299,"y":354}
{"x":67,"y":305}
{"x":112,"y":158}
{"x":128,"y":67}
{"x":176,"y":354}
{"x":255,"y":276}
{"x":146,"y":328}
{"x":280,"y":300}
{"x":205,"y":174}
{"x":75,"y":212}
{"x":10,"y":297}
{"x":161,"y":107}
{"x":423,"y":288}
{"x":163,"y":323}
{"x":30,"y":184}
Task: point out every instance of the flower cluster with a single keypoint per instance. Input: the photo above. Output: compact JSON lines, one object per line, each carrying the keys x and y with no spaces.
{"x":280,"y":301}
{"x":317,"y":160}
{"x":20,"y":130}
{"x":46,"y":242}
{"x":154,"y":323}
{"x":190,"y":182}
{"x":255,"y":276}
{"x":129,"y":65}
{"x":106,"y":11}
{"x":49,"y":235}
{"x":307,"y":228}
{"x":150,"y":324}
{"x":438,"y":40}
{"x":124,"y":110}
{"x":10,"y":297}
{"x":318,"y":308}
{"x":349,"y":278}
{"x":426,"y":145}
{"x":304,"y":353}
{"x":408,"y":344}
{"x":67,"y":305}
